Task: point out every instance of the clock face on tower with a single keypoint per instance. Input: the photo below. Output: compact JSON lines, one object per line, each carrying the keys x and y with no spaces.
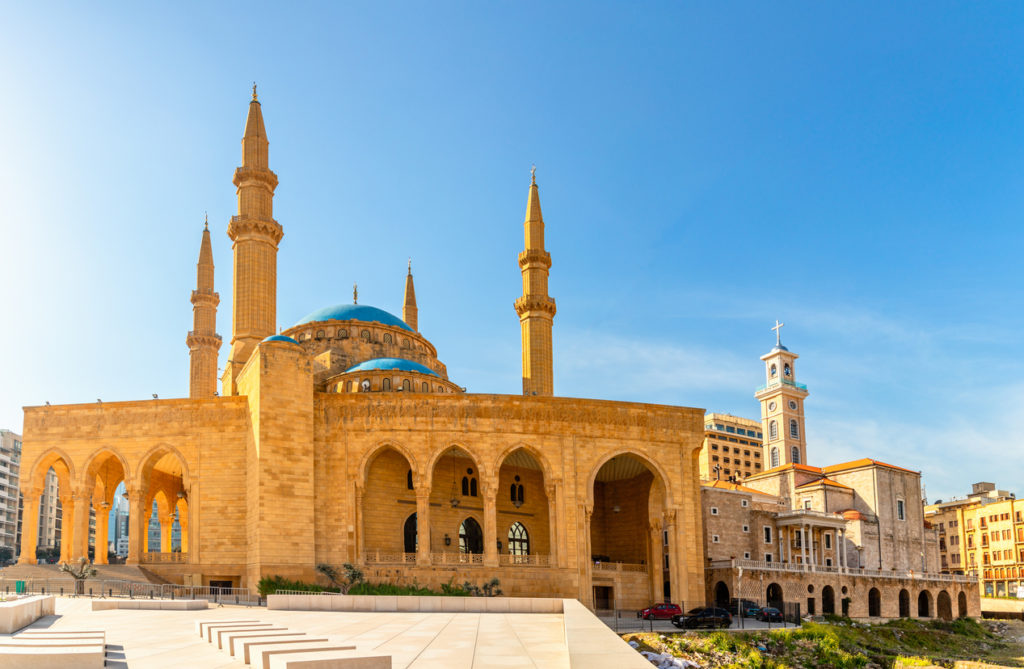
{"x":771,"y":406}
{"x":792,"y":405}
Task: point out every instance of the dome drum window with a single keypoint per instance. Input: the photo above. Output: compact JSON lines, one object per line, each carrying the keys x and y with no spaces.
{"x":365,"y":335}
{"x":342,"y":333}
{"x":387,"y":338}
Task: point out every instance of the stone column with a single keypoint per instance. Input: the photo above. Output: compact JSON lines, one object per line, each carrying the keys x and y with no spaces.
{"x":360,"y":558}
{"x":814,"y":557}
{"x":490,"y":488}
{"x":29,"y":525}
{"x":83,"y":504}
{"x":551,"y":491}
{"x":585,"y":561}
{"x":67,"y":527}
{"x":166,"y":527}
{"x":657,"y":564}
{"x":803,"y":545}
{"x":677,"y":589}
{"x":183,"y":521}
{"x":102,"y":531}
{"x":422,"y":523}
{"x":136,"y":526}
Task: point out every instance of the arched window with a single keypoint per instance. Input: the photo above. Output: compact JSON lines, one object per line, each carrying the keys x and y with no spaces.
{"x":796,"y":455}
{"x":775,"y":371}
{"x":410,"y":532}
{"x":387,"y":337}
{"x":348,"y":386}
{"x":365,"y":335}
{"x":385,"y":384}
{"x":518,"y":540}
{"x":406,"y":385}
{"x":794,"y":429}
{"x":342,"y":333}
{"x":405,"y":343}
{"x":515,"y":492}
{"x":787,"y":370}
{"x":465,"y":486}
{"x":408,"y":480}
{"x":319,"y":334}
{"x":426,"y":387}
{"x":773,"y":430}
{"x":775,"y":457}
{"x":364,"y":386}
{"x":472,"y":487}
{"x":471,"y":537}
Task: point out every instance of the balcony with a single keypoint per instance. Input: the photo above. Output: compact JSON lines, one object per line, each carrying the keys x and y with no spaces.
{"x":760,"y":565}
{"x":782,"y":382}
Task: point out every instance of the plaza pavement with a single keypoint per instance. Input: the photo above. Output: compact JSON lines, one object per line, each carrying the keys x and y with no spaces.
{"x":148,"y":639}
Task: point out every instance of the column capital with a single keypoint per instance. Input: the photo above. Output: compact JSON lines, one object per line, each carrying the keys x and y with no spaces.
{"x":103,"y":506}
{"x":82,"y":495}
{"x":33,"y":491}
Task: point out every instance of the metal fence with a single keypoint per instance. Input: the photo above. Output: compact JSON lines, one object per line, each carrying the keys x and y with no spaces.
{"x":130,"y":590}
{"x":745,"y":615}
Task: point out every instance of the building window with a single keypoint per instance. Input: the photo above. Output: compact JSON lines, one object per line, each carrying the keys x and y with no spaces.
{"x":744,"y":503}
{"x":775,"y":457}
{"x":767,"y":557}
{"x":714,"y":539}
{"x":518,"y":540}
{"x":408,"y":479}
{"x":900,"y":511}
{"x":714,"y":511}
{"x":787,"y":370}
{"x":664,"y":538}
{"x":342,"y":333}
{"x":666,"y":562}
{"x":471,"y":537}
{"x":365,"y":335}
{"x":794,"y":429}
{"x":746,"y":556}
{"x":469,"y":486}
{"x":319,"y":334}
{"x":387,"y":338}
{"x":807,"y":504}
{"x":795,"y":453}
{"x":775,"y":371}
{"x":385,"y":384}
{"x":828,"y":562}
{"x":767,"y":534}
{"x":828,"y":540}
{"x":406,"y":385}
{"x":516,"y":492}
{"x":773,"y":430}
{"x":746,"y":528}
{"x":426,"y":387}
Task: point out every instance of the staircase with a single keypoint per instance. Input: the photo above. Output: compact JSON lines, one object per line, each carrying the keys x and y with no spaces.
{"x":104,"y":572}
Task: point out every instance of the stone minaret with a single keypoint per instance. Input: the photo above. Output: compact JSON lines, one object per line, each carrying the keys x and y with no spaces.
{"x":535,"y":308}
{"x":203,"y":341}
{"x":256,"y":235}
{"x":409,"y":312}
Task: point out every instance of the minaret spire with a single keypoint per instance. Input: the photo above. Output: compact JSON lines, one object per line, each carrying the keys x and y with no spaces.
{"x":256,"y":236}
{"x":536,"y":308}
{"x":409,"y":312}
{"x":203,"y":340}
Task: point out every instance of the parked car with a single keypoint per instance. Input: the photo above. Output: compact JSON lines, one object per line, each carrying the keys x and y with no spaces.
{"x":663,"y":611}
{"x":747,"y":607}
{"x":751,"y":611}
{"x":710,"y":616}
{"x":770,"y":614}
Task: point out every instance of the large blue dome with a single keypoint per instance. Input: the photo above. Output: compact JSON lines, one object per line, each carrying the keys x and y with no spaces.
{"x":391,"y":363}
{"x":355,"y":312}
{"x":283,"y":338}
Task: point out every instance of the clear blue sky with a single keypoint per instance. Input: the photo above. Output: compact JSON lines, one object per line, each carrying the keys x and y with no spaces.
{"x":705,"y":168}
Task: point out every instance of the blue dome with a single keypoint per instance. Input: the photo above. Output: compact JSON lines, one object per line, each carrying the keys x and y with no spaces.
{"x":355,"y":312}
{"x":281,"y":338}
{"x":391,"y":363}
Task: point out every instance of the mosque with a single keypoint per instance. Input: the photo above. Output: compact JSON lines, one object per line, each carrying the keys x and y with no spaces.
{"x":342,"y":439}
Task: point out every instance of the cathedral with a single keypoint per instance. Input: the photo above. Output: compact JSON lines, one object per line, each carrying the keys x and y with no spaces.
{"x":342,"y":439}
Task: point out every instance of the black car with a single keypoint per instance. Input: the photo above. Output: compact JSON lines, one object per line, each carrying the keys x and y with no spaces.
{"x":770,"y":615}
{"x":703,"y":617}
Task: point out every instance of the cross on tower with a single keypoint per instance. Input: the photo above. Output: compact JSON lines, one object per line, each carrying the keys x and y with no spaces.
{"x":778,"y":332}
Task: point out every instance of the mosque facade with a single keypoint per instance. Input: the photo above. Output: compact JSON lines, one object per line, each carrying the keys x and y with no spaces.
{"x":343,"y":439}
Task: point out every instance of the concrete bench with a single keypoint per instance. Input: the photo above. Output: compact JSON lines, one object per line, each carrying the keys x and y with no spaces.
{"x":48,"y":657}
{"x":260,"y":655}
{"x":151,"y":604}
{"x":235,"y":645}
{"x":244,"y":647}
{"x":24,"y":611}
{"x":223,"y":635}
{"x":211,"y":630}
{"x":201,"y":625}
{"x":329,"y":660}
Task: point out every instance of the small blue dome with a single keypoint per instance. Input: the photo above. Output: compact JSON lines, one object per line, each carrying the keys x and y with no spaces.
{"x":355,"y":312}
{"x":391,"y":363}
{"x":281,"y":338}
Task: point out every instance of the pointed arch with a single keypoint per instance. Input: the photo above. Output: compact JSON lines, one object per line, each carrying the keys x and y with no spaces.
{"x":154,"y":455}
{"x":536,"y":453}
{"x":647,"y":461}
{"x":371,"y":455}
{"x":461,"y":450}
{"x":65,"y":470}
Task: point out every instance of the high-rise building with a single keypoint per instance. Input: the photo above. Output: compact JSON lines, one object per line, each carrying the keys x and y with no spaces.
{"x":50,"y":513}
{"x":732,"y":448}
{"x":10,"y":465}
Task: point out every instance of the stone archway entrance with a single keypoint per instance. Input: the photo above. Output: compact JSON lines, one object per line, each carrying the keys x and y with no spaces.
{"x":48,"y":483}
{"x":627,"y":521}
{"x":944,"y":606}
{"x":874,"y":603}
{"x":924,"y":604}
{"x":961,"y":605}
{"x":904,"y":604}
{"x":721,"y":595}
{"x":773,"y":596}
{"x":158,"y":500}
{"x":828,"y":600}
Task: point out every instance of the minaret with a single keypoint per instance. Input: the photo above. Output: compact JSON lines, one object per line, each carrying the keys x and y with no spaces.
{"x":535,"y":308}
{"x":409,"y":312}
{"x":256,"y":235}
{"x":782,"y":407}
{"x":203,"y":341}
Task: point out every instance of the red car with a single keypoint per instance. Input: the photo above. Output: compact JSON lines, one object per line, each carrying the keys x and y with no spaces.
{"x":663,"y":611}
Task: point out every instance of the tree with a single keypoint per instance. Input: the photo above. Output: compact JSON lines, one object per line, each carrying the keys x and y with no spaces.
{"x":352,"y":577}
{"x":85,"y":570}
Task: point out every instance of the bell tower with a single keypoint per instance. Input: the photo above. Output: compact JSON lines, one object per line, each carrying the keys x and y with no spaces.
{"x":782,"y":407}
{"x":535,"y":308}
{"x":256,"y":235}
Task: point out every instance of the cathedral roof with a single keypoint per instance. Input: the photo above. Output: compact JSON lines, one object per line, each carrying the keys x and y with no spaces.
{"x":391,"y":363}
{"x":355,"y":312}
{"x":281,"y":338}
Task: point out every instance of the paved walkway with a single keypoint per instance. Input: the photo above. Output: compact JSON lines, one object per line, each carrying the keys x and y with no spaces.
{"x":166,"y":639}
